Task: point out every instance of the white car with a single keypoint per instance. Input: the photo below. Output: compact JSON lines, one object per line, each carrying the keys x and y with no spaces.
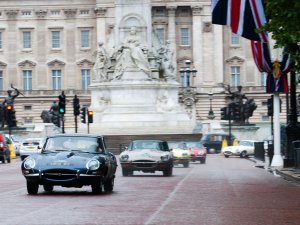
{"x":30,"y":146}
{"x":243,"y":149}
{"x":147,"y":156}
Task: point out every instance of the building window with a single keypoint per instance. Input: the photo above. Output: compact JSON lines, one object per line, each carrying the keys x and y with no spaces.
{"x":27,"y":107}
{"x":0,"y":40}
{"x":85,"y":78}
{"x":55,"y":39}
{"x":184,"y":37}
{"x":85,"y":39}
{"x":235,"y":39}
{"x":160,"y":32}
{"x":1,"y":80}
{"x":84,"y":12}
{"x":55,"y":12}
{"x":56,"y":79}
{"x":28,"y":120}
{"x":26,"y":13}
{"x":263,"y":79}
{"x":27,"y":80}
{"x":235,"y":76}
{"x":26,"y":39}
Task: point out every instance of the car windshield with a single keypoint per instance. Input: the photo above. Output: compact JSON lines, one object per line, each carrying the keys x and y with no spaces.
{"x":177,"y":144}
{"x":145,"y":144}
{"x":194,"y":145}
{"x":72,"y":143}
{"x":246,"y":143}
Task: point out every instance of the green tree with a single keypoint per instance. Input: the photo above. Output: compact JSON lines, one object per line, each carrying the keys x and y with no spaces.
{"x":284,"y":24}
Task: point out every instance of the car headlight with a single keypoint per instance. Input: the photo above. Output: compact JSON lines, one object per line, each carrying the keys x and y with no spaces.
{"x":93,"y":164}
{"x":124,"y":158}
{"x":164,"y":158}
{"x":29,"y":163}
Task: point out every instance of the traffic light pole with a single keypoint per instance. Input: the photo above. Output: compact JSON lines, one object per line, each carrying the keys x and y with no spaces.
{"x":9,"y":123}
{"x":229,"y":124}
{"x":76,"y":126}
{"x":63,"y":123}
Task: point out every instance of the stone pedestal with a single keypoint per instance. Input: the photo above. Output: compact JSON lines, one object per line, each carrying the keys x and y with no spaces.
{"x":137,"y":107}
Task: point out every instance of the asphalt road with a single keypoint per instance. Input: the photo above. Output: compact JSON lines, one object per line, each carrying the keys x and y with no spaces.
{"x":221,"y":192}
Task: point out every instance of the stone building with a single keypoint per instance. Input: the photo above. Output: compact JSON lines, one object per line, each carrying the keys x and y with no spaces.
{"x":49,"y":46}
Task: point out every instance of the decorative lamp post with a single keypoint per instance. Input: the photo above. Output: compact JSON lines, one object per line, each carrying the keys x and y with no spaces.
{"x":182,"y":75}
{"x":187,"y":77}
{"x":211,"y":114}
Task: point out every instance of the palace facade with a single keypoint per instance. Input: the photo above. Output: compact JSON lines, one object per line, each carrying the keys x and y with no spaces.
{"x":49,"y":46}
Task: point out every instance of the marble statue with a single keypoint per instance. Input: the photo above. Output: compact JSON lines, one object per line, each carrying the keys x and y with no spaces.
{"x":102,"y":63}
{"x":167,"y":67}
{"x":131,"y":55}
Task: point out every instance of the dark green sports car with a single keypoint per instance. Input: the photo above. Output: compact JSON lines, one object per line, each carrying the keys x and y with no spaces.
{"x":71,"y":160}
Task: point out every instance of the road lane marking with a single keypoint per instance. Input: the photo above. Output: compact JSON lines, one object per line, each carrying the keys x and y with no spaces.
{"x":168,"y":199}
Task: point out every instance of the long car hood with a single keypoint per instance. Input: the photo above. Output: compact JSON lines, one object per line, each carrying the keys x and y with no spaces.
{"x":145,"y":154}
{"x":62,"y":160}
{"x":177,"y":152}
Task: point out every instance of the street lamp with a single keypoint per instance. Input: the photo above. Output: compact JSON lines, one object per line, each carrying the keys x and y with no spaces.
{"x":211,"y":114}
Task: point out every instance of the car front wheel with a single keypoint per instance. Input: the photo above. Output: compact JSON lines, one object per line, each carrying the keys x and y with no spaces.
{"x":186,"y":164}
{"x":32,"y":188}
{"x":168,"y":172}
{"x":109,"y":185}
{"x":243,"y":154}
{"x":8,"y":158}
{"x":48,"y":188}
{"x":97,"y":187}
{"x":127,"y":172}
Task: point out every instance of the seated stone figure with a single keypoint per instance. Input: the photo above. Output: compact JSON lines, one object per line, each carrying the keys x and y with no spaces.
{"x":131,"y":55}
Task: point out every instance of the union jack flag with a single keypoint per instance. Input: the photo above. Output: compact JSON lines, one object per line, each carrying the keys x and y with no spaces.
{"x":277,"y":71}
{"x":243,"y":16}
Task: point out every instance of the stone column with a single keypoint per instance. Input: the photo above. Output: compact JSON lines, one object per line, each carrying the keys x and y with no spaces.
{"x":197,"y":43}
{"x":218,"y":60}
{"x":101,"y":29}
{"x":12,"y":45}
{"x":70,"y":67}
{"x":172,"y":31}
{"x":42,"y":47}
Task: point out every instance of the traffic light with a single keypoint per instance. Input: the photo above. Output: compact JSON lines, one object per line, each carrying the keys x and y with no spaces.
{"x":76,"y":106}
{"x":62,"y":103}
{"x":9,"y":108}
{"x":11,"y":116}
{"x":224,"y":113}
{"x":83,"y":115}
{"x":236,"y":111}
{"x":90,"y":116}
{"x":270,"y":106}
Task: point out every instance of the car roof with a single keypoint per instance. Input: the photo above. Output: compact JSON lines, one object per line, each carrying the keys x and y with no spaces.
{"x":224,"y":134}
{"x":76,"y":135}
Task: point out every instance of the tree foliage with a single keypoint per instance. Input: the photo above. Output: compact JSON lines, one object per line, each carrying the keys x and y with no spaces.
{"x":284,"y":24}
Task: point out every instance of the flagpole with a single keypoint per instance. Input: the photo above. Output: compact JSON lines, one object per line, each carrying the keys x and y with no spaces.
{"x":277,"y":161}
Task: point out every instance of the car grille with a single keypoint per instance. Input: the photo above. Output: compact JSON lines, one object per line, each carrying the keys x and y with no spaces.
{"x":60,"y":174}
{"x":144,"y":163}
{"x":228,"y":152}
